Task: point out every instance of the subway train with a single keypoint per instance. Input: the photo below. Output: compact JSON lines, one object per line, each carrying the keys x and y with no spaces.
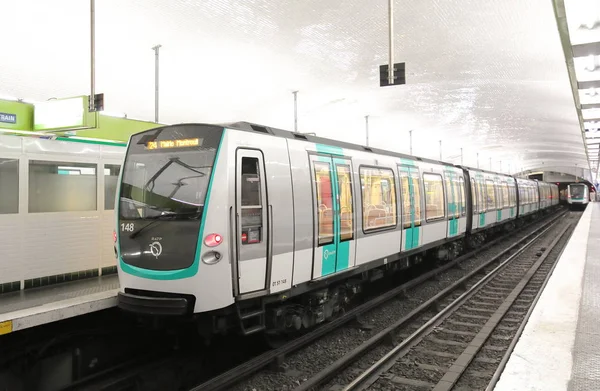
{"x":578,"y":195}
{"x":56,"y":209}
{"x":249,"y":228}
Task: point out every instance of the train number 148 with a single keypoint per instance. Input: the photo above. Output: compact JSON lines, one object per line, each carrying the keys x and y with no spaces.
{"x":129,"y":227}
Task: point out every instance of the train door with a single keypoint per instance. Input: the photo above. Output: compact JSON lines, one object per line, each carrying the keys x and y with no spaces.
{"x":252,"y":221}
{"x":334,"y":242}
{"x":474,"y":205}
{"x":451,"y":204}
{"x":410,"y":181}
{"x":482,"y":201}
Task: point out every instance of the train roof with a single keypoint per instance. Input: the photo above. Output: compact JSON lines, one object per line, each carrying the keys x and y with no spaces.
{"x":251,"y":127}
{"x":257,"y":128}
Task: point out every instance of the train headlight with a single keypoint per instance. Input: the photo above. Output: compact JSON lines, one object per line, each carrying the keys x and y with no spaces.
{"x":213,"y":240}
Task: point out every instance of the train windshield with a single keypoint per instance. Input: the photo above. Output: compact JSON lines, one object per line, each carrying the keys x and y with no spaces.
{"x":165,"y":180}
{"x":166,"y":173}
{"x":577,"y":191}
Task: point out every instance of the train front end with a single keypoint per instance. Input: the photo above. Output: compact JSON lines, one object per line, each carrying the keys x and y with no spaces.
{"x":171,"y":222}
{"x":577,"y":195}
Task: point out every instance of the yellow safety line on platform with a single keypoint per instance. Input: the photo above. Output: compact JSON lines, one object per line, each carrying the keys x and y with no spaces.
{"x":6,"y":327}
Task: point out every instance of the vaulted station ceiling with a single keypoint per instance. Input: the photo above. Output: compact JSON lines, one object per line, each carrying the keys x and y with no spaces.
{"x":486,"y":76}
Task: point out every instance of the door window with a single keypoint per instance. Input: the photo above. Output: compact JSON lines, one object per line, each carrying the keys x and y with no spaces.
{"x":324,"y":202}
{"x":251,"y":201}
{"x":346,"y":206}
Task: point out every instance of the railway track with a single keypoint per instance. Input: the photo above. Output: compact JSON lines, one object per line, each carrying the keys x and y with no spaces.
{"x":276,"y":357}
{"x":459,"y":337}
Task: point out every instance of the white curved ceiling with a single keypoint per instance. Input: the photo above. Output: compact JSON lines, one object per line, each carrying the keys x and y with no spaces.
{"x":485,"y":76}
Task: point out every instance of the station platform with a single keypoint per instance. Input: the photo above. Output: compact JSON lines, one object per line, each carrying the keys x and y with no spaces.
{"x":33,"y":307}
{"x":559,"y":349}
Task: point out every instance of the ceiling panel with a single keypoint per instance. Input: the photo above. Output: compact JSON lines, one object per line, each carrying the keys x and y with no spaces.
{"x":488,"y":77}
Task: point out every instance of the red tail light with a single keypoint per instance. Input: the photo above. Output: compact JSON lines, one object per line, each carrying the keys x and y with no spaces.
{"x":213,"y":240}
{"x":114,"y":236}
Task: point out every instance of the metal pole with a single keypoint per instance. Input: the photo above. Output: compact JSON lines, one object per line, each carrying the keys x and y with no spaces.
{"x":92,"y":106}
{"x":477,"y":159}
{"x":461,"y":157}
{"x":391,"y":32}
{"x":440,"y":150}
{"x":410,"y":134}
{"x":367,"y":128}
{"x":155,"y":48}
{"x":295,"y":111}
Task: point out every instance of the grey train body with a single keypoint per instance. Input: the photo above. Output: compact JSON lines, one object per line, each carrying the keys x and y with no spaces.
{"x":292,"y":226}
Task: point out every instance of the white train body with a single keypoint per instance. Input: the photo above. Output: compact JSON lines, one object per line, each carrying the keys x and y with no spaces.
{"x":281,"y":228}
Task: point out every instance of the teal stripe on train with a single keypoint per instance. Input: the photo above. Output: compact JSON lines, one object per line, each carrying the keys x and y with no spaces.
{"x":329,"y":150}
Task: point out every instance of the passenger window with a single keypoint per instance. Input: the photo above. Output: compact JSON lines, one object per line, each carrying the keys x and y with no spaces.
{"x":9,"y":186}
{"x":111,"y":176}
{"x":482,"y":197}
{"x":511,"y":188}
{"x":416,"y":182}
{"x":505,"y":195}
{"x":491,"y":195}
{"x":379,"y":198}
{"x":530,"y":194}
{"x":61,"y":187}
{"x":346,"y":205}
{"x":521,"y":195}
{"x":252,"y":212}
{"x":324,"y":202}
{"x":434,"y":197}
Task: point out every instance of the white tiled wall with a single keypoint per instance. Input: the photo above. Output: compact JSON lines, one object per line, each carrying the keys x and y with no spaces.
{"x":42,"y":244}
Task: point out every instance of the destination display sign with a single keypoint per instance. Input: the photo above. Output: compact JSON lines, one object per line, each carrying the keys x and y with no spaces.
{"x":168,"y":144}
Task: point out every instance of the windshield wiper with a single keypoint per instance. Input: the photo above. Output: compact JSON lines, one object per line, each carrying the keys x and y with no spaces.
{"x":162,"y":217}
